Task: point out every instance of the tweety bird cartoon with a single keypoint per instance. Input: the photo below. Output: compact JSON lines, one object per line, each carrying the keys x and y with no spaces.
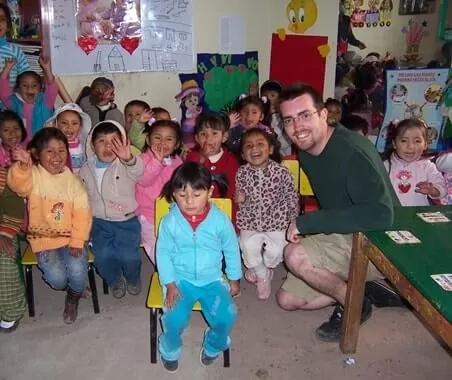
{"x":302,"y":15}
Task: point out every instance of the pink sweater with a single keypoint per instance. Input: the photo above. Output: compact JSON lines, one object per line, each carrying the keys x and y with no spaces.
{"x":405,"y":175}
{"x":148,"y":189}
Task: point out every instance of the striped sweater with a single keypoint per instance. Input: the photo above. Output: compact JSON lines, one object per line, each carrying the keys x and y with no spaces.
{"x":59,"y":213}
{"x":9,"y":50}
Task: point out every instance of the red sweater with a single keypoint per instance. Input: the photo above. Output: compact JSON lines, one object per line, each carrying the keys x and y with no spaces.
{"x":227,"y":165}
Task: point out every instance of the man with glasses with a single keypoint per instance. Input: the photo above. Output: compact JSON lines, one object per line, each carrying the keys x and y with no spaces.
{"x":354,"y":193}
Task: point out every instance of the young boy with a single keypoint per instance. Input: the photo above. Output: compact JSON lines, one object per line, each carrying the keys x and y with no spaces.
{"x":211,"y":132}
{"x":136,"y":135}
{"x":98,"y":101}
{"x":271,"y":90}
{"x":110,"y":175}
{"x":133,"y":111}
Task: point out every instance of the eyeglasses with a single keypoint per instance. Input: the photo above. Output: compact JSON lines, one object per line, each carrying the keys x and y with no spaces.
{"x":303,"y":117}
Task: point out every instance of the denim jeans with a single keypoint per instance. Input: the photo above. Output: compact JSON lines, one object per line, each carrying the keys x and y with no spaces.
{"x":61,"y":270}
{"x":218,"y":309}
{"x":116,"y":246}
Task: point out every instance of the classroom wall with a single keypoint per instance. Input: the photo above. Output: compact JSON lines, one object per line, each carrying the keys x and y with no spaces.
{"x":384,"y":39}
{"x":262,"y":17}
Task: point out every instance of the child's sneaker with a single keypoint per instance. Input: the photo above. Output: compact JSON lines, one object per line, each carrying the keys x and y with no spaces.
{"x":119,"y":290}
{"x":250,"y":276}
{"x":134,"y":290}
{"x":170,"y":365}
{"x":8,"y":327}
{"x":206,"y":360}
{"x":264,"y":287}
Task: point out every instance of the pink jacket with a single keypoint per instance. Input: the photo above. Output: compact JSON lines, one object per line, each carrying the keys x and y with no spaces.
{"x":148,"y":189}
{"x":404,"y":177}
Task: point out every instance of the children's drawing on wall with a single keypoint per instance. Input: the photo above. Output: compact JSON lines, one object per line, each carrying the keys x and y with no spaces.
{"x":226,"y":76}
{"x":190,"y":103}
{"x":414,"y":94}
{"x":345,"y":34}
{"x":414,"y":32}
{"x":373,"y":13}
{"x":107,"y":21}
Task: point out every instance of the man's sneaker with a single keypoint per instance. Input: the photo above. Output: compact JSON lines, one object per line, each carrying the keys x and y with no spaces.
{"x":330,"y":331}
{"x":206,"y":360}
{"x":170,"y":365}
{"x":250,"y":276}
{"x":134,"y":290}
{"x":119,"y":290}
{"x":264,"y":287}
{"x":8,"y":327}
{"x":381,"y":294}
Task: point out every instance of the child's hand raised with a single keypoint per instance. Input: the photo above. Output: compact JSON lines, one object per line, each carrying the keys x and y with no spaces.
{"x":157,"y":151}
{"x":146,"y":116}
{"x":21,"y":155}
{"x":239,"y":196}
{"x":44,"y":62}
{"x":121,"y":147}
{"x":234,"y":119}
{"x":9,"y":63}
{"x":172,"y":295}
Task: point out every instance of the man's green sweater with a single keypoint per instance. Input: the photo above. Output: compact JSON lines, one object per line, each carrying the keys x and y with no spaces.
{"x":351,"y":185}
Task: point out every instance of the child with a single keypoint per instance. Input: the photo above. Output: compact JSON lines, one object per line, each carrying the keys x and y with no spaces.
{"x":132,"y":111}
{"x":444,"y":165}
{"x":267,"y":202}
{"x":109,"y":175}
{"x":136,"y":134}
{"x":30,"y":100}
{"x":334,"y":108}
{"x":163,"y":142}
{"x":12,"y":292}
{"x":211,"y":132}
{"x":12,"y":133}
{"x":271,"y":90}
{"x":58,"y":212}
{"x":97,"y":101}
{"x":251,"y":111}
{"x":75,"y":124}
{"x":10,"y":51}
{"x":356,"y":123}
{"x":415,"y":180}
{"x":192,"y":240}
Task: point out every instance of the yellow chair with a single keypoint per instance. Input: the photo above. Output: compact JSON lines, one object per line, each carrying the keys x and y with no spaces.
{"x":294,"y":168}
{"x":154,"y":300}
{"x":29,"y":260}
{"x":305,"y":185}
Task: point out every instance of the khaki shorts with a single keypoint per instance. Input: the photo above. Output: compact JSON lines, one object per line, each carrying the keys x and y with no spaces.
{"x":330,"y":252}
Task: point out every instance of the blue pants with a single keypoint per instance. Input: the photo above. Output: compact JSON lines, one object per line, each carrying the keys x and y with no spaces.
{"x":218,"y":309}
{"x":116,"y":246}
{"x":61,"y":270}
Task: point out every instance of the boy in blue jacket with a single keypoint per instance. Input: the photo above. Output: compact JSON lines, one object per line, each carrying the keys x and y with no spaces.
{"x":192,"y":239}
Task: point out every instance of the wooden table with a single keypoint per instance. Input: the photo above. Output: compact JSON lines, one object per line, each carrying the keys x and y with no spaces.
{"x":408,"y":267}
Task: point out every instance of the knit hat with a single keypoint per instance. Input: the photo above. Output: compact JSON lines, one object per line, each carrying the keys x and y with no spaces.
{"x":189,"y":87}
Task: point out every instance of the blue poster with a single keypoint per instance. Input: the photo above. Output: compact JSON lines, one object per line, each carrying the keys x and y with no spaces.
{"x":414,"y":94}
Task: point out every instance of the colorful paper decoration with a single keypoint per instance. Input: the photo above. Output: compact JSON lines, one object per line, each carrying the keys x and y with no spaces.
{"x":377,"y":13}
{"x":302,"y":15}
{"x":414,"y":33}
{"x":297,"y":59}
{"x":130,"y":43}
{"x":87,"y":43}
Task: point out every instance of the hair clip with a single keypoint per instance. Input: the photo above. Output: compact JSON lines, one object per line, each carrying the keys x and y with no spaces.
{"x":264,"y":99}
{"x":395,"y":122}
{"x":151,"y":121}
{"x":242,"y":96}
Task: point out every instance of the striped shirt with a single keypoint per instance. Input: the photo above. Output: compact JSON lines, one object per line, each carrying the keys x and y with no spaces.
{"x":9,"y":50}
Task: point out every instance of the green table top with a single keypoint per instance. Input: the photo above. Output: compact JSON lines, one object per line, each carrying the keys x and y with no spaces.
{"x":418,"y":261}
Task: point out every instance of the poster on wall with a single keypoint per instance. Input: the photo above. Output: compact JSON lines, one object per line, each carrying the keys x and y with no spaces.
{"x":414,"y":94}
{"x":369,"y":13}
{"x":297,"y":59}
{"x":90,"y":37}
{"x":224,"y":77}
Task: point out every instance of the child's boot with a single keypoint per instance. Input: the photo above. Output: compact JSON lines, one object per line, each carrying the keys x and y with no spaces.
{"x":71,"y":306}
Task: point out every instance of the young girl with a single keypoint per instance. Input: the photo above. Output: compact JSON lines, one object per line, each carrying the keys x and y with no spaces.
{"x":163,"y":142}
{"x":59,"y":215}
{"x":12,"y":292}
{"x":75,"y":124}
{"x":267,"y":201}
{"x":12,"y":134}
{"x":334,"y":108}
{"x":192,"y":241}
{"x":271,"y":90}
{"x":30,"y":100}
{"x":9,"y":51}
{"x":251,"y":111}
{"x":415,"y":180}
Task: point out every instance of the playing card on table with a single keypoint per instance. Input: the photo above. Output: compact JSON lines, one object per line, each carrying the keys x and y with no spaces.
{"x":403,"y":237}
{"x":433,"y":217}
{"x":443,"y":280}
